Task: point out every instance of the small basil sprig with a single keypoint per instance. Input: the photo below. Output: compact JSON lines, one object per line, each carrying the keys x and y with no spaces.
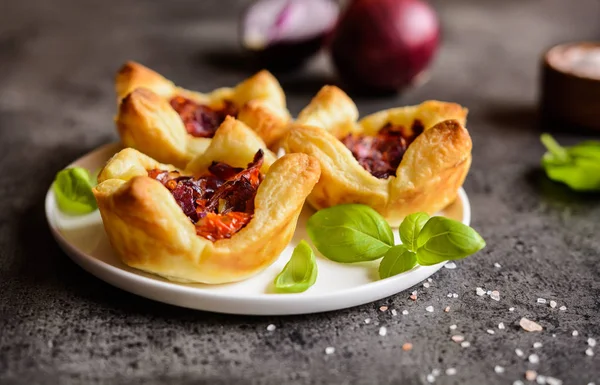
{"x":578,"y":166}
{"x":73,"y":191}
{"x":300,"y":272}
{"x":350,"y":233}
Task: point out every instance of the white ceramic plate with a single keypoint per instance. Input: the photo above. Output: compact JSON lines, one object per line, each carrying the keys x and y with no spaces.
{"x":338,"y":285}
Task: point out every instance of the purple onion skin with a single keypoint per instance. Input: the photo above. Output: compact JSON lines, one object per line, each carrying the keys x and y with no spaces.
{"x":382,"y":45}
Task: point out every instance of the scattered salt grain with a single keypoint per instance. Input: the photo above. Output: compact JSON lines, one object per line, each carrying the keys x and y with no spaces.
{"x":589,"y":352}
{"x":488,"y":292}
{"x":394,"y":312}
{"x":519,"y":352}
{"x":591,"y":342}
{"x":534,"y":358}
{"x":382,"y":331}
{"x":498,"y":369}
{"x":447,"y":309}
{"x":530,"y":375}
{"x":429,"y":279}
{"x":449,"y":295}
{"x":407,"y":346}
{"x":430,"y":378}
{"x":553,"y":381}
{"x":454,"y":295}
{"x":450,"y":265}
{"x":458,"y":338}
{"x":271,"y":327}
{"x":553,"y":304}
{"x":329,"y":350}
{"x":465,"y":344}
{"x":563,"y":308}
{"x":490,"y":331}
{"x":540,"y":379}
{"x":541,"y":300}
{"x":383,"y":308}
{"x":537,"y":345}
{"x":479,"y":291}
{"x":450,"y":371}
{"x":591,"y":383}
{"x":367,"y":320}
{"x":404,"y":312}
{"x":452,"y":327}
{"x":436,"y":372}
{"x":414,"y":292}
{"x":426,"y":285}
{"x":511,"y":309}
{"x":497,"y":265}
{"x":530,"y":326}
{"x":575,"y":333}
{"x":495,"y":295}
{"x":518,"y":382}
{"x":429,"y":309}
{"x":501,"y":326}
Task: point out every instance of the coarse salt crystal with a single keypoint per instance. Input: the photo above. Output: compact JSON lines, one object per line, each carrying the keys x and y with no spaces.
{"x":488,"y":292}
{"x":518,"y":382}
{"x":501,"y":326}
{"x":414,"y":292}
{"x":407,"y":346}
{"x":540,"y":379}
{"x":436,"y":372}
{"x":530,"y":326}
{"x":382,"y":331}
{"x":511,"y":309}
{"x":465,"y":344}
{"x":452,"y":327}
{"x":367,"y":320}
{"x":591,"y":342}
{"x":329,"y":350}
{"x":450,"y":371}
{"x":553,"y":304}
{"x":537,"y":345}
{"x":413,"y":297}
{"x":553,"y":381}
{"x":450,"y":265}
{"x":490,"y":331}
{"x":495,"y":295}
{"x":589,"y":352}
{"x":429,"y":279}
{"x":454,"y":295}
{"x":497,"y":265}
{"x":530,"y":375}
{"x":383,"y":308}
{"x":430,"y":378}
{"x":394,"y":312}
{"x":534,"y":358}
{"x":541,"y":300}
{"x":458,"y":338}
{"x":575,"y":333}
{"x":519,"y":352}
{"x":447,"y":309}
{"x":404,"y":312}
{"x":449,"y":295}
{"x":271,"y":327}
{"x":426,"y":285}
{"x":429,"y":309}
{"x":563,"y":308}
{"x":479,"y":291}
{"x":498,"y":369}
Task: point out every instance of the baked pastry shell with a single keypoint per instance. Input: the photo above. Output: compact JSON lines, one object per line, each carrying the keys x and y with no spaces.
{"x":146,"y":121}
{"x":150,"y":232}
{"x":428,"y":177}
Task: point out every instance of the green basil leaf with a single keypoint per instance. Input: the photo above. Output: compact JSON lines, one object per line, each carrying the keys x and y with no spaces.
{"x":350,"y":233}
{"x":397,"y":260}
{"x":443,"y":239}
{"x":300,"y":272}
{"x":411,"y":227}
{"x":578,"y":166}
{"x":73,"y":191}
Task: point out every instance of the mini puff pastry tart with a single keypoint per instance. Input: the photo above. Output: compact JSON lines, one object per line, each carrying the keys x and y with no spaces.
{"x":173,"y":125}
{"x":224,"y":219}
{"x":398,"y":161}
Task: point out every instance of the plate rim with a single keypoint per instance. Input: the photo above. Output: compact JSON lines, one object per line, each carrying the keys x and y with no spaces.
{"x":117,"y":276}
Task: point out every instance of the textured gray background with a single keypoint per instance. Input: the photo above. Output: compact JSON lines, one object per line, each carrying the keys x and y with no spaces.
{"x":60,"y":324}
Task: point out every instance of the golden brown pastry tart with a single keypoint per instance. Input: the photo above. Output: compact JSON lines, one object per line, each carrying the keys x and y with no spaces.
{"x":398,"y":161}
{"x":224,"y":222}
{"x":173,"y":125}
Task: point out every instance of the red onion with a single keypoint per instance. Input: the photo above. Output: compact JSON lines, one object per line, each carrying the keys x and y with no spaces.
{"x":384,"y":44}
{"x":285,"y":33}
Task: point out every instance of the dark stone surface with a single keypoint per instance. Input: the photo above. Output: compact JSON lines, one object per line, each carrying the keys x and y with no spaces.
{"x":59,"y":324}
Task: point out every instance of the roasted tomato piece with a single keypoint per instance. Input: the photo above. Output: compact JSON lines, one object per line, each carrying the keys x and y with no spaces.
{"x":220,"y":226}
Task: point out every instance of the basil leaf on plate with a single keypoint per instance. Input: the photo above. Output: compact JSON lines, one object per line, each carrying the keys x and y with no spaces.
{"x":397,"y":260}
{"x":578,"y":166}
{"x":443,"y":239}
{"x":350,"y":233}
{"x":73,"y":191}
{"x":411,"y":227}
{"x":300,"y":272}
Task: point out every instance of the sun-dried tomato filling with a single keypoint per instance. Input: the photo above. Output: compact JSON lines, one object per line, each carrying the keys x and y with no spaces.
{"x":200,"y":120}
{"x":381,"y":154}
{"x":219,"y":203}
